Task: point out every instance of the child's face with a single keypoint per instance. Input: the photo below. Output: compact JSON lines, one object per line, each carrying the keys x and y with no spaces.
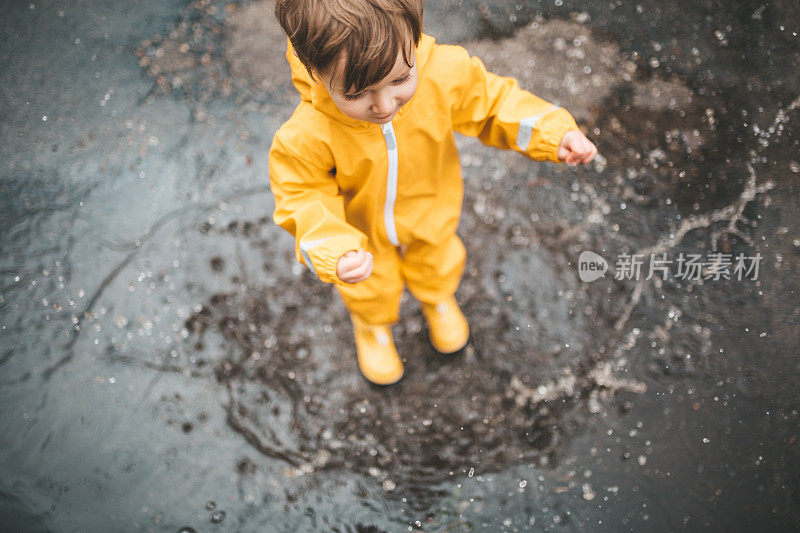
{"x":378,"y":103}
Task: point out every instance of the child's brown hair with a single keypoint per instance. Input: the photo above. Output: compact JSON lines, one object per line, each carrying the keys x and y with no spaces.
{"x":366,"y":35}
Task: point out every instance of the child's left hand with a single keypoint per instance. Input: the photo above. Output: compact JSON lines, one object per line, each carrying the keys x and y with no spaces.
{"x":575,"y":148}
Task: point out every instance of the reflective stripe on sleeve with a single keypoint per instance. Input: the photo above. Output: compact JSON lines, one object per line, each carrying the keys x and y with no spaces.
{"x":526,"y":125}
{"x":305,"y":247}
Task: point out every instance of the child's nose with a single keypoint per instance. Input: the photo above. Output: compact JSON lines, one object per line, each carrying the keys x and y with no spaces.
{"x":383,"y":103}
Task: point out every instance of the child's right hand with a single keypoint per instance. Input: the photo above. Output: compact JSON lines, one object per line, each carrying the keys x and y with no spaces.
{"x":354,"y":266}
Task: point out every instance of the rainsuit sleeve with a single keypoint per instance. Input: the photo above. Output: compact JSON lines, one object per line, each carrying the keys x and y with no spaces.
{"x":308,"y":205}
{"x":495,"y":110}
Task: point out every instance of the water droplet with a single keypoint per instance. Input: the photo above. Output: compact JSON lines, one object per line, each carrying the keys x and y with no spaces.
{"x":217,"y":516}
{"x":211,"y":505}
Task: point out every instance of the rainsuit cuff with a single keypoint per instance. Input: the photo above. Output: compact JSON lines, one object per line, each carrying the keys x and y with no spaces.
{"x":322,"y":257}
{"x":553,"y":126}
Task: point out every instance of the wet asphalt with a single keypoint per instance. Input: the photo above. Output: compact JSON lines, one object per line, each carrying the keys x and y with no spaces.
{"x":165,"y":366}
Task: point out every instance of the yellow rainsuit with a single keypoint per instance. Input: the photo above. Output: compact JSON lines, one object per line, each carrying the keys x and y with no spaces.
{"x":395,"y":189}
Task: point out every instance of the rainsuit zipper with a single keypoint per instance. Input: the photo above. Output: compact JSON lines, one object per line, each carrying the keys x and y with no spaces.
{"x":391,"y":183}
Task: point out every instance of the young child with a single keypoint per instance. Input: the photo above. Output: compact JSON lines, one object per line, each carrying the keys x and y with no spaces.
{"x":366,"y":173}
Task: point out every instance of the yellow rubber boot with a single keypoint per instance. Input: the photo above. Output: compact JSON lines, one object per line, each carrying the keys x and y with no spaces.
{"x":377,"y":356}
{"x":447,"y":327}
